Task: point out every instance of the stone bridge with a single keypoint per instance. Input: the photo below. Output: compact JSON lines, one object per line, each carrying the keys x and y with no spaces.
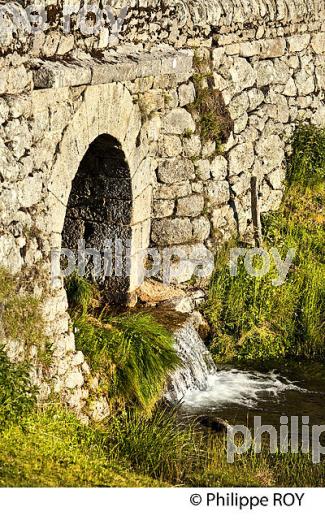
{"x":102,"y":136}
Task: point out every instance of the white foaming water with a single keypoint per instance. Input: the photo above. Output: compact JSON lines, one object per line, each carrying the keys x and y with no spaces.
{"x":237,"y":387}
{"x":199,"y":384}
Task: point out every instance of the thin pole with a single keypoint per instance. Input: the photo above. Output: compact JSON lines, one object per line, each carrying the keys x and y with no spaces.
{"x":256,"y":216}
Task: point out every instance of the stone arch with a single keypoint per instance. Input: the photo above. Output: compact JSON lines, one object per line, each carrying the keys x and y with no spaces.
{"x":98,"y":217}
{"x":106,"y":113}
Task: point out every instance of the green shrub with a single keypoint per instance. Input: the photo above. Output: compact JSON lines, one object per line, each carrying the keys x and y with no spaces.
{"x":17,"y":394}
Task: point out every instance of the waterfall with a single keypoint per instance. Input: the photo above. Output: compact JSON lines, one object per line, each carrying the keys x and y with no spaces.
{"x":197,"y":364}
{"x":199,"y":384}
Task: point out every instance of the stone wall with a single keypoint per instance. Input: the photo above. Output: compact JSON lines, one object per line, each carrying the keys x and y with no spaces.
{"x":59,"y":92}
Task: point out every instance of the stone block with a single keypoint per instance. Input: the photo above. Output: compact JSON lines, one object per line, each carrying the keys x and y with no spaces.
{"x":163,"y":208}
{"x":171,"y":231}
{"x":201,"y":228}
{"x":186,"y":94}
{"x":175,"y":170}
{"x":217,"y":193}
{"x":172,"y":191}
{"x":242,"y":73}
{"x":241,"y":158}
{"x":192,"y":146}
{"x":273,"y":48}
{"x":219,"y":168}
{"x":318,"y":43}
{"x":190,"y":206}
{"x":178,"y":122}
{"x":170,"y":146}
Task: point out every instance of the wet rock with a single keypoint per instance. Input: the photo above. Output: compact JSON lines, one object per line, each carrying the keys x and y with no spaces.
{"x":216,"y":424}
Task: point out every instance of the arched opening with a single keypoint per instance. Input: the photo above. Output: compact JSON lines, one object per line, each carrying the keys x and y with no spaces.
{"x":97,"y":223}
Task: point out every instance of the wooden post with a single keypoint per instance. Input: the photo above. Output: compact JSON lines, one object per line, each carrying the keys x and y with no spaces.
{"x":256,"y":216}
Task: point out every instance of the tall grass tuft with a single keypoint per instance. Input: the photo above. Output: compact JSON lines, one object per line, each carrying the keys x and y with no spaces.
{"x":133,"y":353}
{"x":80,"y":293}
{"x":158,"y":446}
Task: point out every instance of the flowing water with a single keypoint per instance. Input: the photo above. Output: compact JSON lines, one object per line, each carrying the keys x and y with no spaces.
{"x":239,"y":395}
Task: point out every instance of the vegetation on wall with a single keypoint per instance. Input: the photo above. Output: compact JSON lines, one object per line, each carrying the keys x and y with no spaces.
{"x":21,"y":313}
{"x":255,"y":320}
{"x":209,"y":109}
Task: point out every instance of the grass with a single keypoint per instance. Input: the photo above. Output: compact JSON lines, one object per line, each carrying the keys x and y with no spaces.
{"x":132,"y":353}
{"x":52,"y":449}
{"x":159,"y":445}
{"x":253,"y":320}
{"x":306,"y":166}
{"x":80,"y":293}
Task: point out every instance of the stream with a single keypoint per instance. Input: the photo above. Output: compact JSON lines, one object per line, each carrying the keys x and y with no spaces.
{"x":237,"y":395}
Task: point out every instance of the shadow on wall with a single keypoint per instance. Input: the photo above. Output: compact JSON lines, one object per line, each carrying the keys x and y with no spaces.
{"x":99,"y":213}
